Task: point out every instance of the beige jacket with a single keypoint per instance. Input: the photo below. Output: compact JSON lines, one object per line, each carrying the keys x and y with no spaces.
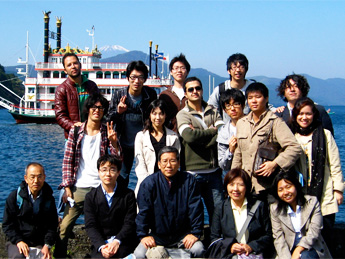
{"x":333,"y":176}
{"x":311,"y":225}
{"x":248,"y":137}
{"x":145,"y":156}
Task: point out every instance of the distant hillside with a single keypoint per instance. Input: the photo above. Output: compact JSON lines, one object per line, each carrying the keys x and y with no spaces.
{"x":13,"y":70}
{"x":14,"y":84}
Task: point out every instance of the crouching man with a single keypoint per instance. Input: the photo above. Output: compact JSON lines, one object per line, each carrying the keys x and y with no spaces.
{"x":170,"y":208}
{"x":30,"y":219}
{"x":110,"y":211}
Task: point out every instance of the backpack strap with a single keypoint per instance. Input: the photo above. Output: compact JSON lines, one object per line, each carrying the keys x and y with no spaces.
{"x":249,"y":218}
{"x":221,"y":88}
{"x":19,"y":198}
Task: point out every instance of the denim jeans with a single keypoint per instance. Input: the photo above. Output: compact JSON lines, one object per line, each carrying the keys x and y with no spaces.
{"x":211,"y":187}
{"x":127,"y":163}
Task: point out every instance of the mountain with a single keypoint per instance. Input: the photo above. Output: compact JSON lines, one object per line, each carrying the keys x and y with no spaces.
{"x":13,"y":70}
{"x":112,"y":50}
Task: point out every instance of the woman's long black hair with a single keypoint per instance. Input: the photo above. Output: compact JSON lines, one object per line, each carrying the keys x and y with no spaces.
{"x":291,"y":177}
{"x":153,"y":105}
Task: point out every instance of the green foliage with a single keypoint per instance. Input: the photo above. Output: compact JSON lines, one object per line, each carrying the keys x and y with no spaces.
{"x":11,"y":82}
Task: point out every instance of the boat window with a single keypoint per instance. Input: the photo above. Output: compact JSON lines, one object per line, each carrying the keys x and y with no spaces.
{"x":116,"y":75}
{"x":102,"y":91}
{"x":99,"y":75}
{"x":63,"y":74}
{"x":123,"y":76}
{"x":51,"y":90}
{"x":31,"y":90}
{"x":56,"y":74}
{"x":107,"y":74}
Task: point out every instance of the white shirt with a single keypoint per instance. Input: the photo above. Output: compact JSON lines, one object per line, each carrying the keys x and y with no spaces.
{"x":178,"y":91}
{"x":295,"y":218}
{"x":87,"y":175}
{"x":240,"y":217}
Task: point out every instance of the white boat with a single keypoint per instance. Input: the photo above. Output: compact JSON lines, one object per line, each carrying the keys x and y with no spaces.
{"x":37,"y":104}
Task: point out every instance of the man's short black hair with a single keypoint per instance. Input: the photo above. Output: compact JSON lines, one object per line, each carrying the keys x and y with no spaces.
{"x":92,"y":100}
{"x":69,"y":55}
{"x":191,"y":79}
{"x":181,"y":58}
{"x":300,"y":81}
{"x":232,"y":94}
{"x":257,"y":87}
{"x":168,"y":149}
{"x":113,"y":160}
{"x":139,"y":66}
{"x":237,"y":58}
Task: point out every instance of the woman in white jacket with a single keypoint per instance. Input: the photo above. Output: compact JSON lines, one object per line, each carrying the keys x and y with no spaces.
{"x":149,"y":141}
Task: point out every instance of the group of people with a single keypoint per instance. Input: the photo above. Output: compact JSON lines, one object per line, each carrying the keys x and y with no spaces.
{"x":266,"y":175}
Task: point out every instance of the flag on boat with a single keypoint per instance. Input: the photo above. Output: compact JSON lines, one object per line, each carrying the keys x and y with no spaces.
{"x":160,"y":55}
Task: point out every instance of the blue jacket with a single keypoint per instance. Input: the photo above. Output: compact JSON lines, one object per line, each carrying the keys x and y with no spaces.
{"x":170,"y":213}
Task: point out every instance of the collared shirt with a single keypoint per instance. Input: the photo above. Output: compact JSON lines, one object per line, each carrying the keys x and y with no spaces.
{"x":109,"y":196}
{"x":35,"y":202}
{"x":296,"y":221}
{"x":240,"y":216}
{"x":290,"y":109}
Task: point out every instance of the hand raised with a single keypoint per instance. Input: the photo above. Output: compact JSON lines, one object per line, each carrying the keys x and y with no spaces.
{"x":122,"y":106}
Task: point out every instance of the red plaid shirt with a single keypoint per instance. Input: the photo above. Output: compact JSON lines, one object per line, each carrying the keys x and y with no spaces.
{"x":72,"y":155}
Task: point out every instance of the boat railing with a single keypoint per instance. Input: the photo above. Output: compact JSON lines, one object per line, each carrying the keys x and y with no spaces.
{"x":6,"y":103}
{"x":98,"y":65}
{"x":32,"y":111}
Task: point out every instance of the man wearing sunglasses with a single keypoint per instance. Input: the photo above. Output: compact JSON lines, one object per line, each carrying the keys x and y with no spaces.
{"x":84,"y":146}
{"x":198,"y":123}
{"x":127,"y":111}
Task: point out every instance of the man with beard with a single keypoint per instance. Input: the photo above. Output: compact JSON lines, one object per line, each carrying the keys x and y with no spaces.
{"x":71,"y":94}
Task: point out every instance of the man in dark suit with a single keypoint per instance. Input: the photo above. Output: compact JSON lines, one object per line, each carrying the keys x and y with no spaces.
{"x":110,"y":211}
{"x":290,"y":90}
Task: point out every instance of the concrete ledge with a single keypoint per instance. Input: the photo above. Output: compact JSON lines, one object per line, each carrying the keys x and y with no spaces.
{"x":79,"y":247}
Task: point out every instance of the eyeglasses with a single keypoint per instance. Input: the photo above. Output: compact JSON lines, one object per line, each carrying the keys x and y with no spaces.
{"x":112,"y":170}
{"x":165,"y":162}
{"x":241,"y":67}
{"x":100,"y":108}
{"x":140,"y":78}
{"x":179,"y":68}
{"x":234,"y":105}
{"x":191,"y":89}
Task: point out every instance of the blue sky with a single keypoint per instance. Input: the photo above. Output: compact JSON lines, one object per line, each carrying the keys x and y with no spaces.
{"x":278,"y":37}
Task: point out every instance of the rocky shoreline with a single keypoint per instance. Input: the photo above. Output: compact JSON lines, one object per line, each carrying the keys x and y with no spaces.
{"x":79,"y":247}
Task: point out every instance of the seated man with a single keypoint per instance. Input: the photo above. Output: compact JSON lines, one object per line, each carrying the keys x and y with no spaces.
{"x":30,"y":217}
{"x":170,"y":208}
{"x":110,"y":211}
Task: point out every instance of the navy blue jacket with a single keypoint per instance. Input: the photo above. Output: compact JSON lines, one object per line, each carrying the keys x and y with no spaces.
{"x":20,"y":223}
{"x":170,"y":213}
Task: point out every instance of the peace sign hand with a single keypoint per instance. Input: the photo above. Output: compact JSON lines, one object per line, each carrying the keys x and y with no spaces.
{"x":122,"y":106}
{"x":112,"y":135}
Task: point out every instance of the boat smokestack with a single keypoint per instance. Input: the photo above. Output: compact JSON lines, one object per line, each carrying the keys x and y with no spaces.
{"x":46,"y":34}
{"x":150,"y":54}
{"x":46,"y":41}
{"x":58,"y":25}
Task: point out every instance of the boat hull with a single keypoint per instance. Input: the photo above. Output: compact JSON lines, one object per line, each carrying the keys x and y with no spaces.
{"x":26,"y":118}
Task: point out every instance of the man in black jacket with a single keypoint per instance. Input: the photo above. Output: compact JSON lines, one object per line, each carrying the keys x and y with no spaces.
{"x":110,"y":211}
{"x":128,"y":111}
{"x":30,"y":217}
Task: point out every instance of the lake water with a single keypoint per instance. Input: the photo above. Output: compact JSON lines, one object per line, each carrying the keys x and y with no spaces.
{"x":21,"y":144}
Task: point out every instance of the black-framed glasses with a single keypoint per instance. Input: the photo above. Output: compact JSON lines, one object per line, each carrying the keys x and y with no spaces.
{"x":140,"y":78}
{"x":234,"y":105}
{"x":191,"y":89}
{"x":100,"y":108}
